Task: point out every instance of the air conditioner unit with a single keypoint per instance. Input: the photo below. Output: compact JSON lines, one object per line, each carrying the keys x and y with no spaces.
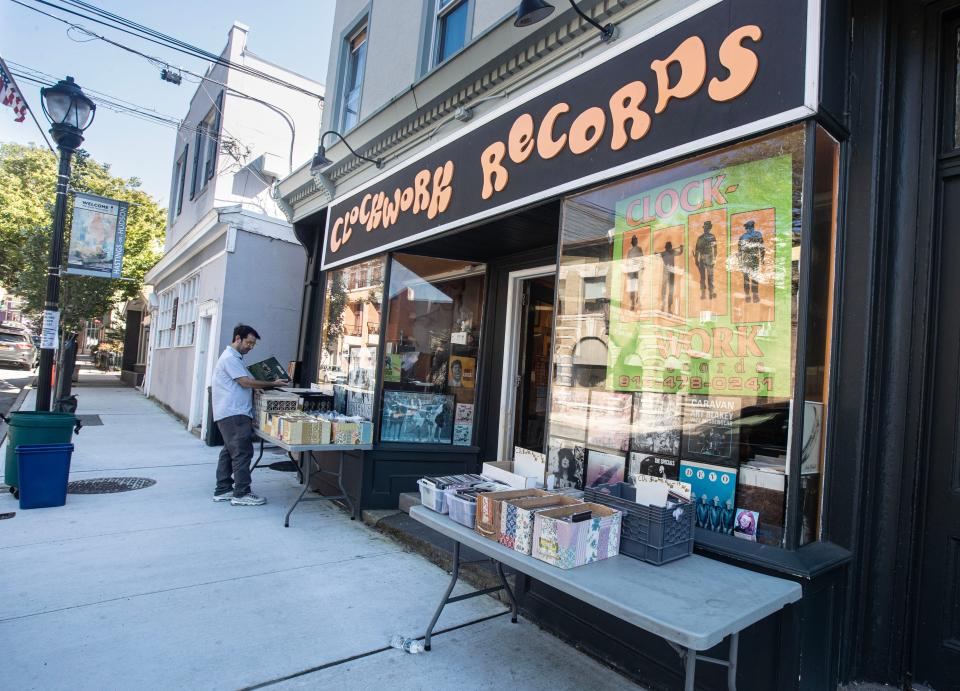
{"x":273,"y":166}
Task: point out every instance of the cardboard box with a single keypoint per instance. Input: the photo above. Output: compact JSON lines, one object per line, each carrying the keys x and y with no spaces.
{"x":304,"y":430}
{"x":566,"y":545}
{"x":516,"y":519}
{"x":275,"y":401}
{"x":352,"y":432}
{"x":504,"y":471}
{"x":489,"y":505}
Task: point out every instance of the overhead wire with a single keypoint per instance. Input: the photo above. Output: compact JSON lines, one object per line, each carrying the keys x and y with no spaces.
{"x":131,"y":28}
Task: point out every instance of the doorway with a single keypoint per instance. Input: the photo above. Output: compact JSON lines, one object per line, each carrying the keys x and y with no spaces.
{"x":205,"y":341}
{"x":526,"y":361}
{"x":937,"y":633}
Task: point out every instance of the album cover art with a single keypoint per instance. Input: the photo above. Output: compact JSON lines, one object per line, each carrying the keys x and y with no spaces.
{"x":608,"y":426}
{"x":566,"y":464}
{"x":421,"y":418}
{"x":709,"y":431}
{"x":656,"y":423}
{"x":604,"y":468}
{"x":656,"y":466}
{"x":745,"y":524}
{"x":464,"y":413}
{"x":714,"y":488}
{"x":462,"y":434}
{"x":568,"y":412}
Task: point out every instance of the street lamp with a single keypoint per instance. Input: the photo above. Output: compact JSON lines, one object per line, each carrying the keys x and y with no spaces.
{"x":70,"y":112}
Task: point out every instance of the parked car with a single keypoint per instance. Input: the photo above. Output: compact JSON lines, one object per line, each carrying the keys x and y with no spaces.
{"x":17,"y":348}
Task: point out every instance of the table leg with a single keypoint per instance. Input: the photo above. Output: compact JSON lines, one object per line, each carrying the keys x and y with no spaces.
{"x":508,"y":591}
{"x":689,"y":669}
{"x":257,"y":462}
{"x":732,"y":666}
{"x":294,"y":461}
{"x":346,"y":497}
{"x":455,"y":574}
{"x":308,"y":457}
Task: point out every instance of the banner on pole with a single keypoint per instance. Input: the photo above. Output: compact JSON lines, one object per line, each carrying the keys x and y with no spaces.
{"x":97,"y":236}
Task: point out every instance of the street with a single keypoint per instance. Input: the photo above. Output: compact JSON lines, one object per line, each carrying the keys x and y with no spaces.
{"x":12,"y":382}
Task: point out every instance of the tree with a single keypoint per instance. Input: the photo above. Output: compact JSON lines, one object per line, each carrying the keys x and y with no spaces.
{"x":27,"y":183}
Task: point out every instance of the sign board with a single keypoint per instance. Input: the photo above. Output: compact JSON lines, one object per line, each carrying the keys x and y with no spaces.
{"x":51,"y":325}
{"x":714,"y":72}
{"x":97,"y":236}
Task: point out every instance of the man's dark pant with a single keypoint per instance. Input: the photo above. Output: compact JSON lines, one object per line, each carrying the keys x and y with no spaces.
{"x":233,"y":467}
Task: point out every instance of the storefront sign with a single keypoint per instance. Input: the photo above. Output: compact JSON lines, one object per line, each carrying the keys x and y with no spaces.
{"x":97,"y":236}
{"x":701,"y":281}
{"x":718,"y":70}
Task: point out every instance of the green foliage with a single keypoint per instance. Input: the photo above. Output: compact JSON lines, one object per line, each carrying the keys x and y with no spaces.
{"x":27,"y":189}
{"x":336,"y":304}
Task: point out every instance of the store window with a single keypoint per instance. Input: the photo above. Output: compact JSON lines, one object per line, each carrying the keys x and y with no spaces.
{"x":679,"y":306}
{"x":431,"y":347}
{"x":350,"y":339}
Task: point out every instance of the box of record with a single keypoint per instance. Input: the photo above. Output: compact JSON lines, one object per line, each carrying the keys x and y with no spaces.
{"x":304,"y":429}
{"x":489,"y":505}
{"x":268,"y":423}
{"x":433,"y":489}
{"x":352,"y":432}
{"x":516,"y":519}
{"x":275,"y":401}
{"x":576,"y":535}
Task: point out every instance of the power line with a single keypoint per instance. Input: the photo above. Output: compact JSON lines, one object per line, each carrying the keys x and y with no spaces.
{"x":129,"y":27}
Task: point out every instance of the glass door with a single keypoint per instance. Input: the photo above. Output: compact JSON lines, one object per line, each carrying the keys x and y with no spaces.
{"x":532,"y":379}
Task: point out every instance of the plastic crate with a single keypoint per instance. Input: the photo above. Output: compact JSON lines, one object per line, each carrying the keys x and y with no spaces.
{"x":462,"y":510}
{"x":650,"y":533}
{"x":434,"y":497}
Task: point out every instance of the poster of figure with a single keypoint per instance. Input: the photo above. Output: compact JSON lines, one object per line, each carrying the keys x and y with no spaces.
{"x":655,"y":466}
{"x":464,"y":413}
{"x":566,"y":464}
{"x":361,"y":366}
{"x":656,"y":423}
{"x":714,"y":488}
{"x":604,"y":468}
{"x":420,"y":418}
{"x":608,"y":425}
{"x":745,"y":524}
{"x":702,"y":291}
{"x":97,"y":235}
{"x":462,"y":371}
{"x":709,"y":430}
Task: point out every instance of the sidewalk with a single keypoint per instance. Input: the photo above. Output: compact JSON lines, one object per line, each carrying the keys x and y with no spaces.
{"x":162,"y":588}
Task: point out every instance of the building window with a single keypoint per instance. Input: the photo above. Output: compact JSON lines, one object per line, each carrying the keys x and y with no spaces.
{"x":165,"y":319}
{"x":179,"y":178}
{"x":452,"y":18}
{"x":186,"y":319}
{"x":693,"y":336}
{"x":350,"y":341}
{"x":430,"y":351}
{"x":356,"y":58}
{"x":205,"y":148}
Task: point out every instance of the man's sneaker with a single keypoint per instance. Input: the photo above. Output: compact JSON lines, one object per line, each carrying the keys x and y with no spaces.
{"x":249,"y":499}
{"x":226,"y":496}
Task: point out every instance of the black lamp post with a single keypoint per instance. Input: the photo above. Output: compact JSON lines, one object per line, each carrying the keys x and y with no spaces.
{"x":70,"y":112}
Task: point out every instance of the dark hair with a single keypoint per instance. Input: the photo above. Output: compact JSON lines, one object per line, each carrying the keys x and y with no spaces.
{"x":241,"y":331}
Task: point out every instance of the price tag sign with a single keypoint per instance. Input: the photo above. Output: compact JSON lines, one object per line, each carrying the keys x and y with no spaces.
{"x":51,"y":324}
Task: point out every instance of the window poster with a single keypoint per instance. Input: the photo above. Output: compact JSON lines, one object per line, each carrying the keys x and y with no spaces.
{"x":702,"y":282}
{"x":654,"y":466}
{"x":609,"y":418}
{"x":709,"y":428}
{"x":568,"y":412}
{"x":462,"y":371}
{"x":566,"y":464}
{"x":604,"y":468}
{"x":713,"y":489}
{"x":421,"y":418}
{"x":656,"y":423}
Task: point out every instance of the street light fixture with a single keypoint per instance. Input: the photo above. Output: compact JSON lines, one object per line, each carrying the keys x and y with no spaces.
{"x":70,"y":112}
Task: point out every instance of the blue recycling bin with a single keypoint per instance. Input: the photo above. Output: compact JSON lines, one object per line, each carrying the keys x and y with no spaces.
{"x":44,"y":470}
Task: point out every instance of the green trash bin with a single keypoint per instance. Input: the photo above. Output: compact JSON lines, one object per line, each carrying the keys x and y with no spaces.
{"x":31,"y":428}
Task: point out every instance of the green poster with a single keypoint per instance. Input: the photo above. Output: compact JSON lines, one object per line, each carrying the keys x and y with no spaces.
{"x":701,"y":284}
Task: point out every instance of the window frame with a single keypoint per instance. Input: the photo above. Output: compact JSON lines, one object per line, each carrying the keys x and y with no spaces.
{"x":188,"y":294}
{"x":165,"y":317}
{"x":206,"y":149}
{"x":442,"y":12}
{"x":180,"y":178}
{"x":348,"y":67}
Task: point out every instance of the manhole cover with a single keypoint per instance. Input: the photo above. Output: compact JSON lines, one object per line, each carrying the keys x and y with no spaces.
{"x":90,"y":420}
{"x":284,"y":466}
{"x":108,"y":485}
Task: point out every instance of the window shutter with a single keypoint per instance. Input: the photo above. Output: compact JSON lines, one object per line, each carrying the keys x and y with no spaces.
{"x":182,"y":176}
{"x":214,"y":135}
{"x":195,"y":178}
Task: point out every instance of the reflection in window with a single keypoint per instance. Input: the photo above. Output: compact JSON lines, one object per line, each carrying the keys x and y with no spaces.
{"x":676,"y":332}
{"x":430,"y":358}
{"x":956,"y":96}
{"x":351,"y":337}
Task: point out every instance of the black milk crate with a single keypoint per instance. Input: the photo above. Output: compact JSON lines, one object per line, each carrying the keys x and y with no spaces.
{"x":649,"y":533}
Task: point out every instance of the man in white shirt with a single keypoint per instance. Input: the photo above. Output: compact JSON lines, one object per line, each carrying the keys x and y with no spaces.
{"x":233,"y":412}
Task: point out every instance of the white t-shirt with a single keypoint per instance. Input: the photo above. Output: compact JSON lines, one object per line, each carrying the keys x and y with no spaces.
{"x":229,"y":398}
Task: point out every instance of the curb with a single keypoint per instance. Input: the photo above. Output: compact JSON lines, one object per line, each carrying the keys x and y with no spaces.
{"x":17,"y":402}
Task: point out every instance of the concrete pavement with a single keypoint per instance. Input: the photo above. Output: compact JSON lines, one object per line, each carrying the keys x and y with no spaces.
{"x":162,"y":588}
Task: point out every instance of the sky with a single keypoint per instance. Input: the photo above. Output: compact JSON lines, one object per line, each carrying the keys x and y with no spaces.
{"x":294,"y":34}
